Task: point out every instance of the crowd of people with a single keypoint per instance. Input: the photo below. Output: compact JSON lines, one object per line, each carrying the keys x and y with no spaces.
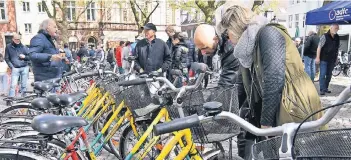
{"x":274,"y":86}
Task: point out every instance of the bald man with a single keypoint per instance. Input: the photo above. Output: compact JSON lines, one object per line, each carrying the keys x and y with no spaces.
{"x":16,"y":57}
{"x":46,"y":60}
{"x":209,"y":43}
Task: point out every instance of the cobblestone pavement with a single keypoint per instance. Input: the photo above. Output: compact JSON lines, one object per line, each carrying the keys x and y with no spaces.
{"x":341,"y":120}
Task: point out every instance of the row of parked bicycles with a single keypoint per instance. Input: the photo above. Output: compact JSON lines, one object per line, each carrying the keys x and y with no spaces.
{"x":145,"y":116}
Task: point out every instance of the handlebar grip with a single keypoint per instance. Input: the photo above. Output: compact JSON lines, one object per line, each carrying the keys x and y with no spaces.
{"x":87,"y":74}
{"x":132,"y":82}
{"x":177,"y":124}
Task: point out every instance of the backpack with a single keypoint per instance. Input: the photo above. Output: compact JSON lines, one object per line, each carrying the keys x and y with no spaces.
{"x":299,"y":97}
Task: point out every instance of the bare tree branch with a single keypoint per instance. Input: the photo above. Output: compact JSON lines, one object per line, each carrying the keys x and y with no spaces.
{"x":148,"y":17}
{"x":86,"y":7}
{"x":132,"y":5}
{"x":140,"y":9}
{"x":46,"y":9}
{"x":54,"y":8}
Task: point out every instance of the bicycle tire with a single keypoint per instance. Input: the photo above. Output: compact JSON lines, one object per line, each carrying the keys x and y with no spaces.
{"x":337,"y":72}
{"x":124,"y":138}
{"x":53,"y":142}
{"x":97,"y":129}
{"x":14,"y":107}
{"x":15,"y":154}
{"x":14,"y":122}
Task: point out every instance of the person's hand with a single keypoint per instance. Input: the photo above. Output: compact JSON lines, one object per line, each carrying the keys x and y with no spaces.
{"x":66,"y":61}
{"x":22,"y":56}
{"x":56,"y":57}
{"x":141,"y":70}
{"x":317,"y":60}
{"x":159,"y":70}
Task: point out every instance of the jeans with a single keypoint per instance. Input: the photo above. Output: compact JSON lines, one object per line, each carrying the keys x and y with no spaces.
{"x":3,"y":83}
{"x":310,"y":66}
{"x":15,"y":74}
{"x":325,"y":74}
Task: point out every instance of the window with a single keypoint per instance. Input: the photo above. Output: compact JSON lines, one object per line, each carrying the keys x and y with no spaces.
{"x":2,"y":10}
{"x":125,"y":15}
{"x":26,"y":6}
{"x":296,"y":20}
{"x":71,"y":10}
{"x":91,"y":12}
{"x":292,"y":1}
{"x":116,"y":13}
{"x":297,"y":1}
{"x":290,"y":21}
{"x":303,"y":20}
{"x":28,"y":28}
{"x":41,"y":7}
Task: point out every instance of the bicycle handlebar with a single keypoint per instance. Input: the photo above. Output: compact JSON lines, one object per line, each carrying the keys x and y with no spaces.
{"x":91,"y":74}
{"x":176,"y":125}
{"x":191,"y":121}
{"x":132,"y":82}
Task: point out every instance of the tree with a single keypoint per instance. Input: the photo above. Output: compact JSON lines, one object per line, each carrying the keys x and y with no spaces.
{"x":208,"y":8}
{"x":57,"y":12}
{"x":144,"y":18}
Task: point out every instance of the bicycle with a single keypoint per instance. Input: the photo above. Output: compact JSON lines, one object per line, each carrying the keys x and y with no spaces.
{"x":280,"y":147}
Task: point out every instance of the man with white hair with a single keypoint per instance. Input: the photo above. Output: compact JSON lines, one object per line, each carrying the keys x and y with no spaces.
{"x":327,"y":54}
{"x":16,"y":57}
{"x":45,"y":57}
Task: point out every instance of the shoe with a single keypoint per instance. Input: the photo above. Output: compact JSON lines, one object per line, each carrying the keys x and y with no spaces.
{"x":322,"y":93}
{"x":327,"y":91}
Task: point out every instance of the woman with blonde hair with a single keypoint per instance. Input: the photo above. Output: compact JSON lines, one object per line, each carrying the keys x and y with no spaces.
{"x":278,"y":90}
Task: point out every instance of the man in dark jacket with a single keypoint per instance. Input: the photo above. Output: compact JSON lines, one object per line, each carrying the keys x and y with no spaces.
{"x":180,"y":56}
{"x":152,"y":53}
{"x":16,"y":57}
{"x":209,"y":43}
{"x":327,"y":54}
{"x":45,"y":57}
{"x":310,"y":52}
{"x":83,"y":52}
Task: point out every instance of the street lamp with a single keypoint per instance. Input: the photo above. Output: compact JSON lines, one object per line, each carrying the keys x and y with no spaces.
{"x":102,"y":37}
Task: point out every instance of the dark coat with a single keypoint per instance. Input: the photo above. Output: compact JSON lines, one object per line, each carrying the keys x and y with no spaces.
{"x":41,"y":49}
{"x":311,"y":46}
{"x":83,"y":52}
{"x":192,"y":55}
{"x":180,"y":56}
{"x":12,"y":53}
{"x":152,"y":56}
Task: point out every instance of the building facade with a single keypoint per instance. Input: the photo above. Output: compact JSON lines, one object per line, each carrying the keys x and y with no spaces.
{"x":94,"y":22}
{"x":297,"y":10}
{"x":7,"y":23}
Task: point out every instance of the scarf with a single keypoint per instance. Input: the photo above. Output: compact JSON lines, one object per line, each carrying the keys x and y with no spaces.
{"x":245,"y":47}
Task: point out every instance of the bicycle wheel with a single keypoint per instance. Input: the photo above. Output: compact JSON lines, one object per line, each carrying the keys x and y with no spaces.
{"x":128,"y":139}
{"x":99,"y":124}
{"x":21,"y":109}
{"x":13,"y":127}
{"x":15,"y":154}
{"x":54,"y":149}
{"x":337,"y":70}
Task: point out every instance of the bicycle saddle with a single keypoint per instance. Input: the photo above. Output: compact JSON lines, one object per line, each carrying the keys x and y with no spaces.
{"x":70,"y":99}
{"x":44,"y":86}
{"x":51,"y":124}
{"x":54,"y":99}
{"x":41,"y":103}
{"x":212,"y":108}
{"x":53,"y":80}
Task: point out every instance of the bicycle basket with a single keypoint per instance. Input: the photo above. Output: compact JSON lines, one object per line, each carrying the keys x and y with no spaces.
{"x":215,"y":130}
{"x":138,"y":96}
{"x":321,"y":145}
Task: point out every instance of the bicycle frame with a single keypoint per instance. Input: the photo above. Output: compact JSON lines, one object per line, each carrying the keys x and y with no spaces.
{"x":71,"y":151}
{"x":162,"y":114}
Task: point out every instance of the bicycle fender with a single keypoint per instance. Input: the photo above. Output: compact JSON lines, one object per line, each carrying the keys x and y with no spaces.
{"x":22,"y":104}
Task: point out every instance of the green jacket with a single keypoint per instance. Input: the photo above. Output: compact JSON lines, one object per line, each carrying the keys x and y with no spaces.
{"x":299,"y":95}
